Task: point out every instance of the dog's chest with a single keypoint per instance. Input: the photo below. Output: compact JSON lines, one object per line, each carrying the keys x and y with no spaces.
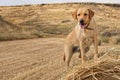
{"x":84,"y":33}
{"x":87,"y":41}
{"x":85,"y":37}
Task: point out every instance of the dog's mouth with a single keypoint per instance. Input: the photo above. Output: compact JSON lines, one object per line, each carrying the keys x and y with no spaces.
{"x":82,"y":25}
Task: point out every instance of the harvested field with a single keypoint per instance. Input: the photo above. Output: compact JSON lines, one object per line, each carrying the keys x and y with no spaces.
{"x":41,"y":59}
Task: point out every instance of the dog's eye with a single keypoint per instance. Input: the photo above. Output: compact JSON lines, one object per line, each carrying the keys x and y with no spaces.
{"x":78,"y":14}
{"x":85,"y":14}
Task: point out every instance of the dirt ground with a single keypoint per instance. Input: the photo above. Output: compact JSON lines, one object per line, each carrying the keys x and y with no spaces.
{"x":35,"y":59}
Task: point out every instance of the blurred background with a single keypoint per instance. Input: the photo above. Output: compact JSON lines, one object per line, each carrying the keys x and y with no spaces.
{"x":23,"y":2}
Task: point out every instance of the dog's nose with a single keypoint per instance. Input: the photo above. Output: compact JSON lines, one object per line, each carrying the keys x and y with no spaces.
{"x":82,"y":21}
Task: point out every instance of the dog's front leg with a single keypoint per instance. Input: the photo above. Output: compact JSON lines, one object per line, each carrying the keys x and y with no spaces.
{"x":82,"y":52}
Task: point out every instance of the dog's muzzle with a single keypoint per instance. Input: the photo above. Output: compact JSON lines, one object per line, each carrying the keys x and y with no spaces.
{"x":82,"y":24}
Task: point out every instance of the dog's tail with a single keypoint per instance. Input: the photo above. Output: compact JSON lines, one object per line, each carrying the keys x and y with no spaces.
{"x":64,"y":57}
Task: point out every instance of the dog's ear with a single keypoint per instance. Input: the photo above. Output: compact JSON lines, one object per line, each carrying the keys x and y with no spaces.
{"x":91,"y":13}
{"x":74,"y":14}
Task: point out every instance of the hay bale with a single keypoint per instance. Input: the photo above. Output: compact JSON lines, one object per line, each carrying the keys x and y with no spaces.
{"x":105,"y":70}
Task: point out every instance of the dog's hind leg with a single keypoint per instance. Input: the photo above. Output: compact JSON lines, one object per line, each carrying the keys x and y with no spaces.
{"x":64,"y":57}
{"x":68,"y":54}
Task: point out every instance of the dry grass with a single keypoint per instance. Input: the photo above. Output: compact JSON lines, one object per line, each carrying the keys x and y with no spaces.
{"x":53,"y":20}
{"x":41,"y":59}
{"x":115,"y":40}
{"x":112,"y":37}
{"x":105,"y":70}
{"x":33,"y":59}
{"x":104,"y":39}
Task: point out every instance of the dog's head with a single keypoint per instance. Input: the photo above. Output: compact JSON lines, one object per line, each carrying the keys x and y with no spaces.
{"x":83,"y":16}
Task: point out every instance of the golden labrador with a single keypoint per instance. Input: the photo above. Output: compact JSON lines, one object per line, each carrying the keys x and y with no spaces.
{"x":82,"y":36}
